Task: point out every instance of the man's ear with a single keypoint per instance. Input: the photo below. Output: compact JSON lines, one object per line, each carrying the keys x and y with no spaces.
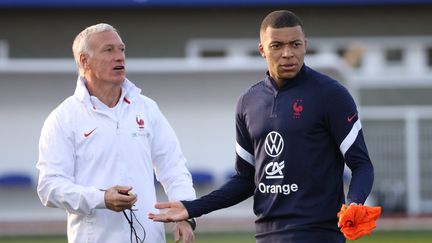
{"x":306,"y":42}
{"x":83,"y":60}
{"x":261,"y":50}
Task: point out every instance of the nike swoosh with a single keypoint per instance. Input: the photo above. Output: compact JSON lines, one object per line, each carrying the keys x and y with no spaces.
{"x":349,"y":119}
{"x":88,"y":133}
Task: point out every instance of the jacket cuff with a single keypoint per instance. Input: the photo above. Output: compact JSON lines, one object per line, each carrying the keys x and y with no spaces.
{"x":100,"y":199}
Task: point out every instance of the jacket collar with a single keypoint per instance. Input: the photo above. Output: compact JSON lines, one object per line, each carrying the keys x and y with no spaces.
{"x":129,"y":92}
{"x":288,"y":83}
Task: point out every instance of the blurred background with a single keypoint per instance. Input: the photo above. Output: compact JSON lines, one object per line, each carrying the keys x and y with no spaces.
{"x":195,"y":58}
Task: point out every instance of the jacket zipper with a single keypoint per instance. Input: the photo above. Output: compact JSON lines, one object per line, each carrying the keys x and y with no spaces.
{"x":274,"y":105}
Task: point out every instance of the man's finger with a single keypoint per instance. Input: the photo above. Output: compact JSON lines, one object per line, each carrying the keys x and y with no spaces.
{"x":163,"y":205}
{"x":157,"y":217}
{"x":176,"y":235}
{"x":151,"y":216}
{"x":127,"y":198}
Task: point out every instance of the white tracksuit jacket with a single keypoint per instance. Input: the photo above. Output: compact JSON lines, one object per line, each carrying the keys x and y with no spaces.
{"x":85,"y":147}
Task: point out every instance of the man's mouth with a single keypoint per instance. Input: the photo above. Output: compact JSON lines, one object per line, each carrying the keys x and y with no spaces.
{"x":288,"y":66}
{"x":119,"y":68}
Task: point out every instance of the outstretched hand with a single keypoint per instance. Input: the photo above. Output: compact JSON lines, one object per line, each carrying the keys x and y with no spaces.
{"x":175,"y":211}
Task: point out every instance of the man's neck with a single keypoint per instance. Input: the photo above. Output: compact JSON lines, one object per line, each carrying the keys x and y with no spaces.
{"x":107,"y":94}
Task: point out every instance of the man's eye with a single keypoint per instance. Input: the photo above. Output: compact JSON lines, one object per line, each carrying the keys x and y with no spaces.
{"x":274,"y":46}
{"x":297,"y":44}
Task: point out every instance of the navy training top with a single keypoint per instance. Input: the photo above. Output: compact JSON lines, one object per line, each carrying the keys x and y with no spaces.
{"x":292,"y":145}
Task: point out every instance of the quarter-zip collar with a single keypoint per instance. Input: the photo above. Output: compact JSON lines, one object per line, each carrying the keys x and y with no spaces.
{"x":287,"y":83}
{"x":129,"y":93}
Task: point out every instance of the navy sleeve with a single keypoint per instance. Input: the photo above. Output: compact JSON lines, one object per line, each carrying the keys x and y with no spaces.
{"x":358,"y":161}
{"x":232,"y":192}
{"x":240,"y":187}
{"x":346,"y":128}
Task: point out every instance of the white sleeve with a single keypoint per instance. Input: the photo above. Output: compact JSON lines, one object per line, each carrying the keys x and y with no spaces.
{"x":56,"y":166}
{"x":169,"y":161}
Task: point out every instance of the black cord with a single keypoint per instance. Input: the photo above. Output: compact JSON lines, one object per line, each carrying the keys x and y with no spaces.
{"x":133,"y":231}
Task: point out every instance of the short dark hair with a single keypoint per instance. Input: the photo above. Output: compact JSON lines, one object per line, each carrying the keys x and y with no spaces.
{"x":281,"y":19}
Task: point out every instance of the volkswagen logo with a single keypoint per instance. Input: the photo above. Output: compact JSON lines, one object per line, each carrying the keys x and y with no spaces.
{"x":274,"y":144}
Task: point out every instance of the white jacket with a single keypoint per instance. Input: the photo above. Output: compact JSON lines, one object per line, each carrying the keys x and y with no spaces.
{"x":85,"y":147}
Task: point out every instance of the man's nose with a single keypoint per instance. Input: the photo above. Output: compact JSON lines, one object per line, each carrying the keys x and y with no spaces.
{"x":287,"y":52}
{"x":120,"y":55}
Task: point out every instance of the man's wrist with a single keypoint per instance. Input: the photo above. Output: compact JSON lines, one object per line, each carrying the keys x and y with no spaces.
{"x":192,"y":222}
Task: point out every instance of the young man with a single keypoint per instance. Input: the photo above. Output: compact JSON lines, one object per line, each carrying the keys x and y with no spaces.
{"x":98,"y":150}
{"x":295,"y":131}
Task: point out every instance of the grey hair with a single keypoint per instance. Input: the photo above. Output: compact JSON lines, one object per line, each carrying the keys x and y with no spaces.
{"x":80,"y":44}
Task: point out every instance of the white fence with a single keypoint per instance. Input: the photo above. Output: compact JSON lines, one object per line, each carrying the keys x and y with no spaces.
{"x":399,"y":138}
{"x":400,"y":145}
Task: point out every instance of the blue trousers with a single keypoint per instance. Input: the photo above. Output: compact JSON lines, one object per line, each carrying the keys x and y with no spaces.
{"x":301,"y":237}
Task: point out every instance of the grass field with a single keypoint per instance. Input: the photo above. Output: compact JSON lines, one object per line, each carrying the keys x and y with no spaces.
{"x":377,"y":237}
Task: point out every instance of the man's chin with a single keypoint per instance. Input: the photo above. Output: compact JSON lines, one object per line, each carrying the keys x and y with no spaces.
{"x":288,"y":76}
{"x":119,"y":80}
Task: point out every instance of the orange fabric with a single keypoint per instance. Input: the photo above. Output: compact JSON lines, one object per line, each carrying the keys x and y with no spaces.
{"x":356,"y":221}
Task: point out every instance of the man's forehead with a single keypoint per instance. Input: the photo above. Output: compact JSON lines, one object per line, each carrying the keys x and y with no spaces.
{"x":282,"y":34}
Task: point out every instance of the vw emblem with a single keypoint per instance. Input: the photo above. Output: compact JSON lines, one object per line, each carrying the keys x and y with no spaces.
{"x":274,"y":144}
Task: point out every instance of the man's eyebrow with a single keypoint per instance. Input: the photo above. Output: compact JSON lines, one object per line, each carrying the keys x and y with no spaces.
{"x":276,"y":42}
{"x":115,"y":45}
{"x":285,"y":42}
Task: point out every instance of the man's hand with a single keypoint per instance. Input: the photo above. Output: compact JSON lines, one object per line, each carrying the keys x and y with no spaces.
{"x":176,"y":212}
{"x":116,"y":200}
{"x":183,"y":231}
{"x":355,"y":221}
